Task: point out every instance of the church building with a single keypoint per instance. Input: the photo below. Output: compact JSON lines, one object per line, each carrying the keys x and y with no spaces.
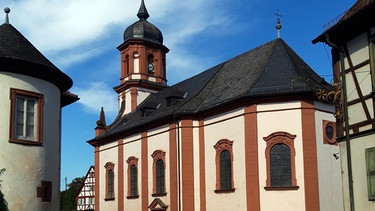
{"x":255,"y":132}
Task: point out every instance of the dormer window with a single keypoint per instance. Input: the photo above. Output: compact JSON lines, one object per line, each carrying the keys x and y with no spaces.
{"x":175,"y":97}
{"x":148,"y":108}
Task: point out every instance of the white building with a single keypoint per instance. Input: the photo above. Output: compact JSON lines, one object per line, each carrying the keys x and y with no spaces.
{"x":32,"y":94}
{"x":250,"y":133}
{"x":352,"y":38}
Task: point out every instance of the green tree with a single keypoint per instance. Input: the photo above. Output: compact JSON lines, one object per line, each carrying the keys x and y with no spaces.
{"x":67,"y":200}
{"x":3,"y":204}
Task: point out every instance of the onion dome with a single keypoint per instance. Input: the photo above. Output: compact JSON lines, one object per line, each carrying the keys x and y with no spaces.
{"x":142,"y":29}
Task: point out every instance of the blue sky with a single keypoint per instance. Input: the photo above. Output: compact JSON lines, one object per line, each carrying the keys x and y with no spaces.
{"x":81,"y":37}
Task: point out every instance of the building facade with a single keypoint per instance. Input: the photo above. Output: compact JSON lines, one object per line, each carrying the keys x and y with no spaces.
{"x":352,"y":38}
{"x":236,"y":136}
{"x":33,"y":91}
{"x":85,"y":197}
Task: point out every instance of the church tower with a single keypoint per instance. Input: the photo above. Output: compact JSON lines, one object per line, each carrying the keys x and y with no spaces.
{"x":143,"y":62}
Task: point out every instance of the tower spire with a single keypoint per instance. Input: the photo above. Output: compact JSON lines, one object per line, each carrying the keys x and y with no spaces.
{"x":142,"y":12}
{"x":7,"y":11}
{"x":278,"y":24}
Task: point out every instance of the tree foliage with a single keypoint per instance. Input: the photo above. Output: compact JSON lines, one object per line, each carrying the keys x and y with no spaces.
{"x":3,"y":203}
{"x":67,"y":200}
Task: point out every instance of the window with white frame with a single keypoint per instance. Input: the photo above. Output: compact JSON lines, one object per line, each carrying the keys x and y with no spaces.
{"x":26,"y":117}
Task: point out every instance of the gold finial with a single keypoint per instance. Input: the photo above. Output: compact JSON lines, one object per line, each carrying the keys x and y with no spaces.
{"x":278,"y":24}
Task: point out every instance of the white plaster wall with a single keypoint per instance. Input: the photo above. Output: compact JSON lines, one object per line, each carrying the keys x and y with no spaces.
{"x":329,"y":168}
{"x":27,"y":166}
{"x":108,"y":153}
{"x":233,"y":130}
{"x":196,"y":158}
{"x":358,"y":147}
{"x":132,"y":147}
{"x":287,"y":119}
{"x":128,"y":104}
{"x":142,"y":95}
{"x":159,"y":140}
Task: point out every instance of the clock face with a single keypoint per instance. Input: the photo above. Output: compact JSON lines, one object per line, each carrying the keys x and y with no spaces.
{"x":150,"y":67}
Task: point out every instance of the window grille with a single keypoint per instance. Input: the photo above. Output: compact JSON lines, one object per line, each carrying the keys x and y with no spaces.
{"x":280,"y":166}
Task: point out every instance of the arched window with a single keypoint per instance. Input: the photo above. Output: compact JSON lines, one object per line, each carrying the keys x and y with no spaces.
{"x":159,"y":173}
{"x":132,"y":177}
{"x":280,"y":166}
{"x":110,"y":181}
{"x":224,"y":166}
{"x":280,"y":158}
{"x":160,"y":177}
{"x":133,"y":181}
{"x":111,"y":184}
{"x":150,"y":64}
{"x":225,"y":170}
{"x":127,"y":67}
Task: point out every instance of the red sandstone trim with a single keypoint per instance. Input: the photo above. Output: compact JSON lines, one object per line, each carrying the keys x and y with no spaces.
{"x":187,"y":167}
{"x":251,"y":158}
{"x":326,"y":139}
{"x":109,"y":166}
{"x":220,"y":146}
{"x":132,"y":161}
{"x":284,"y":138}
{"x":144,"y":167}
{"x":158,"y":155}
{"x":97,"y":178}
{"x":133,"y":96}
{"x":310,"y":156}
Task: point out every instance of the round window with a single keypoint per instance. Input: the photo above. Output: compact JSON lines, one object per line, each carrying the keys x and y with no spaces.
{"x":329,"y":132}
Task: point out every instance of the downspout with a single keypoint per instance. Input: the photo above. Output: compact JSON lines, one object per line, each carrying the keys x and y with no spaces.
{"x":346,"y":119}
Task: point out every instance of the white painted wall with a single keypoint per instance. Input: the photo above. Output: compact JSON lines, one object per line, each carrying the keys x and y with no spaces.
{"x":233,"y":130}
{"x":27,"y":166}
{"x":132,"y":147}
{"x":159,"y":140}
{"x":108,"y":153}
{"x":358,"y":147}
{"x":329,"y":168}
{"x":287,"y":119}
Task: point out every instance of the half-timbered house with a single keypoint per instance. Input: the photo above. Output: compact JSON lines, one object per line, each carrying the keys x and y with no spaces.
{"x":86,"y":194}
{"x":352,"y":38}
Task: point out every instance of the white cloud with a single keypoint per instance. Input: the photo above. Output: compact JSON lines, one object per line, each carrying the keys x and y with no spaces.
{"x":72,"y":32}
{"x":96,"y":95}
{"x":56,"y":26}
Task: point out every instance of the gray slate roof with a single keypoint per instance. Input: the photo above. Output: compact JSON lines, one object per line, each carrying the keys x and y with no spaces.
{"x":18,"y":55}
{"x":270,"y":70}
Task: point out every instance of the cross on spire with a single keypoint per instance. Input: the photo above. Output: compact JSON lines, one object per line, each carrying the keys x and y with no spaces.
{"x":278,"y":24}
